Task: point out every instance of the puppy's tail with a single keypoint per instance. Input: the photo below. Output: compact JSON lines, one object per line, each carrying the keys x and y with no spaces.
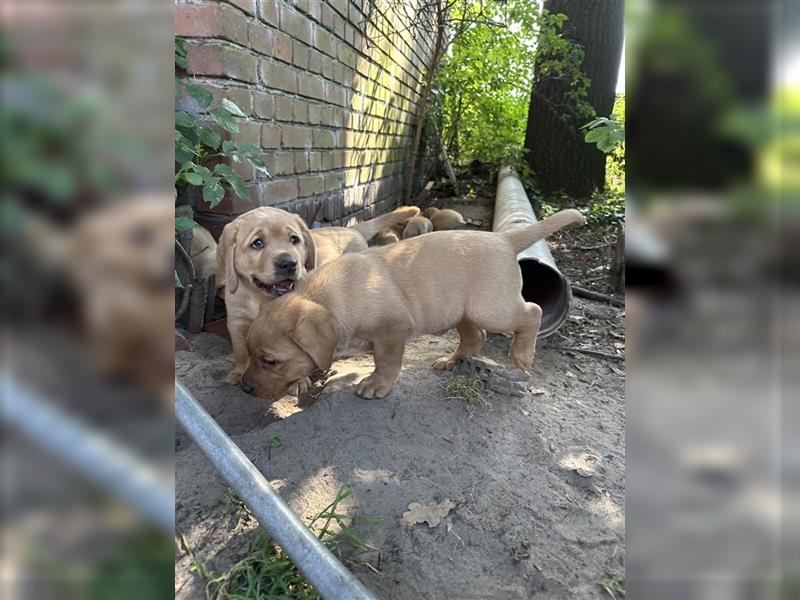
{"x":527,"y":236}
{"x":369,"y":228}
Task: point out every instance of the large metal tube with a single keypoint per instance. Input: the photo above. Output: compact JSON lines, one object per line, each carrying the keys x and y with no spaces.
{"x":542,"y":282}
{"x":318,"y":564}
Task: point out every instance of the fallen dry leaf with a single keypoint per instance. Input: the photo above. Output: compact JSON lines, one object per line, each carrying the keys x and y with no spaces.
{"x":431,"y":513}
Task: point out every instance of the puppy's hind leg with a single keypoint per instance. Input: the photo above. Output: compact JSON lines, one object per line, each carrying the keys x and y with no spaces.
{"x":470,"y":344}
{"x":388,"y":354}
{"x":525,"y":332}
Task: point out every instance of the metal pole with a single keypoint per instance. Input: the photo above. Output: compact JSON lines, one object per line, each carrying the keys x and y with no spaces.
{"x":542,"y":283}
{"x":318,"y":564}
{"x":100,"y":458}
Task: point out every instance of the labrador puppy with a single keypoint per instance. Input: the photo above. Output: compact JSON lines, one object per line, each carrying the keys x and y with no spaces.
{"x":265,"y":251}
{"x":444,"y":219}
{"x":385,"y":237}
{"x":417,"y":226}
{"x":385,"y":296}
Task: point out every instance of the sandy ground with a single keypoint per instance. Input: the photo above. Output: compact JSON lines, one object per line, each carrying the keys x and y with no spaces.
{"x":526,"y":523}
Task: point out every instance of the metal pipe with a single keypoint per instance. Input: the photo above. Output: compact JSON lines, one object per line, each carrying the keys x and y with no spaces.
{"x":542,"y":282}
{"x":318,"y":564}
{"x":100,"y":458}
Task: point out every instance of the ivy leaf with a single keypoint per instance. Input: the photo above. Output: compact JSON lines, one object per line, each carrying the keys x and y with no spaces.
{"x":224,"y":120}
{"x":234,"y":179}
{"x":232,"y":107}
{"x":183,"y":223}
{"x":200,"y":94}
{"x":228,"y":146}
{"x":213,"y":191}
{"x":178,"y":283}
{"x":186,"y":120}
{"x":209,"y":137}
{"x":180,"y":53}
{"x":193,"y":178}
{"x":260,"y":165}
{"x":249,"y":149}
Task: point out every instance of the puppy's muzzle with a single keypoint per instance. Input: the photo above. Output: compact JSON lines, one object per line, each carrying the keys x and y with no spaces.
{"x":246,"y":387}
{"x":285,"y":264}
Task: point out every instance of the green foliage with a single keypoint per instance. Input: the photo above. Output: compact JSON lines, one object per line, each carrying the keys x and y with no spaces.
{"x":484,"y":85}
{"x":267,"y":572}
{"x":606,"y":133}
{"x":197,"y":144}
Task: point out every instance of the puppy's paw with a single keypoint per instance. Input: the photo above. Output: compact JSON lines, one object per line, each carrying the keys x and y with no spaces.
{"x":446,"y":363}
{"x":299,"y":387}
{"x":374,"y":387}
{"x":523,"y":364}
{"x":234,"y":377}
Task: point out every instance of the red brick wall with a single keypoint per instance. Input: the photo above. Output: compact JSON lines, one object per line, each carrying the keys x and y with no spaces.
{"x":331,"y":90}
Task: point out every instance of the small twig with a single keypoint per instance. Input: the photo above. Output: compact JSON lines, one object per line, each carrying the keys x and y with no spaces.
{"x":597,"y":247}
{"x":587,"y":351}
{"x":584,"y":293}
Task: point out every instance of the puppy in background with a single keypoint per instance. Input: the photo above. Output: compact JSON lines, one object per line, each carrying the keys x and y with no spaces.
{"x":464,"y":279}
{"x":445,"y":219}
{"x":385,"y":237}
{"x":417,"y":226}
{"x":264,"y":252}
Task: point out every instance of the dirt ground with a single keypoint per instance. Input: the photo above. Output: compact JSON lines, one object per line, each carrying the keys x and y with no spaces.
{"x":538,"y":481}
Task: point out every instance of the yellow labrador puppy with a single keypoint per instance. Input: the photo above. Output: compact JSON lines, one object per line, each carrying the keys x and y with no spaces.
{"x":265,"y":251}
{"x":385,"y":237}
{"x":417,"y":226}
{"x":385,"y":296}
{"x":444,"y":219}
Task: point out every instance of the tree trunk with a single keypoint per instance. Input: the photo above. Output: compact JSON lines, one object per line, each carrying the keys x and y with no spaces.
{"x":557,"y":153}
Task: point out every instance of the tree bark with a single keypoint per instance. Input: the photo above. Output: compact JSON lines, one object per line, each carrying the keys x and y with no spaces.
{"x":557,"y":153}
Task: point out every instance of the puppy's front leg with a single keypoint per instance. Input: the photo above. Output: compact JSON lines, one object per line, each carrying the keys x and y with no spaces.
{"x":388,"y":356}
{"x":238,"y":333}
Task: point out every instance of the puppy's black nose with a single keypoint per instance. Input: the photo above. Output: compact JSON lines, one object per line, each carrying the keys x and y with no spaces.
{"x":286,"y":263}
{"x":246,"y":387}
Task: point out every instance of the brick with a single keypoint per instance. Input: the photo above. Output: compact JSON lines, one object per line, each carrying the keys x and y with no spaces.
{"x":263,"y":105}
{"x":338,"y":159}
{"x":338,"y":117}
{"x":300,"y":111}
{"x":270,"y":136}
{"x":299,"y":55}
{"x":219,"y":60}
{"x":295,"y":24}
{"x":234,"y":25}
{"x":327,"y":16}
{"x":313,"y":87}
{"x":284,"y":163}
{"x":315,"y":10}
{"x":327,"y":68}
{"x":310,"y":185}
{"x":326,"y":116}
{"x":261,"y":38}
{"x":325,"y":42}
{"x":327,"y":161}
{"x":338,"y":26}
{"x":315,"y":161}
{"x":276,"y":192}
{"x":338,"y":73}
{"x":282,"y":49}
{"x":314,"y":111}
{"x":333,"y":181}
{"x":249,"y":133}
{"x":295,"y":137}
{"x":283,"y":108}
{"x":278,"y":76}
{"x":324,"y":139}
{"x":315,"y":61}
{"x":300,"y":162}
{"x":346,"y":55}
{"x":242,"y":97}
{"x":197,"y":20}
{"x":268,"y":12}
{"x":248,"y":6}
{"x":334,"y":94}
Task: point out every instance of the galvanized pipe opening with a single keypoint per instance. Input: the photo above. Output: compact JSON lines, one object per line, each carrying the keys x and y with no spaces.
{"x":542,"y":282}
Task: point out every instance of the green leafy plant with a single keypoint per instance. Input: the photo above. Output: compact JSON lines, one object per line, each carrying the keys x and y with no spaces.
{"x":267,"y":572}
{"x":607,"y":134}
{"x":273,"y":442}
{"x":198,"y":144}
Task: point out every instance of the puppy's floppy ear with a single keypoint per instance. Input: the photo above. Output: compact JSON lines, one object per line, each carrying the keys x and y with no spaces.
{"x":308,"y":241}
{"x":317,"y":333}
{"x":226,"y":256}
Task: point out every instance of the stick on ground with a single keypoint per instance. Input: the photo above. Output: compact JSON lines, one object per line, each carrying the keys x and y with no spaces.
{"x":584,"y":293}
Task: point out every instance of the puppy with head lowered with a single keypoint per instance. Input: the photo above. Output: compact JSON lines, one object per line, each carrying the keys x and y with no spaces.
{"x":385,"y":296}
{"x":264,"y":252}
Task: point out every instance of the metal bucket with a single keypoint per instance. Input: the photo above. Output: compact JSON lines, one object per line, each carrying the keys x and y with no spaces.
{"x":542,"y":282}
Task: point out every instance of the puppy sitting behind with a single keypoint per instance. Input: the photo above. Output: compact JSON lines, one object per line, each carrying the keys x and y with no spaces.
{"x":444,"y":219}
{"x":417,"y":226}
{"x":385,"y":296}
{"x":265,"y":251}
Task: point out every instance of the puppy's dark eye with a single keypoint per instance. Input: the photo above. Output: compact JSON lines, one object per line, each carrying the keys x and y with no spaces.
{"x":268,"y":362}
{"x":257,"y":244}
{"x":294,"y":239}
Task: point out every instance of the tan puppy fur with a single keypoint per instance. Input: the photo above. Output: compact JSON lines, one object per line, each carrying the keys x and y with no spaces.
{"x":385,"y":237}
{"x":204,"y":254}
{"x":446,"y":219}
{"x":264,"y":252}
{"x":385,"y":296}
{"x":417,"y":226}
{"x":429,"y":212}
